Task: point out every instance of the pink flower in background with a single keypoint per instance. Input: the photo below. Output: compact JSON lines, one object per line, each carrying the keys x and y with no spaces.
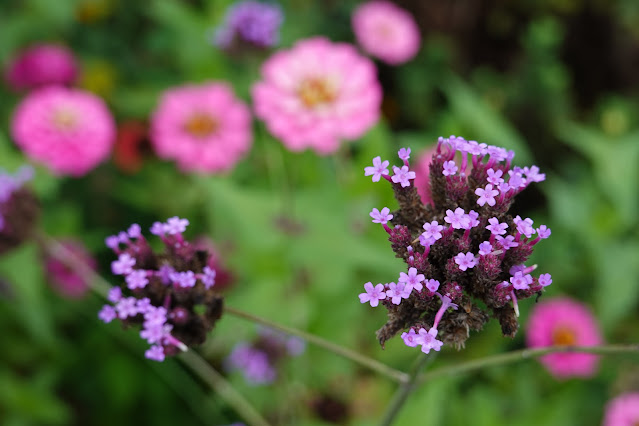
{"x":317,"y":94}
{"x":65,"y":280}
{"x":623,"y":410}
{"x":204,"y":128}
{"x":69,"y":130}
{"x":422,"y":172}
{"x":386,"y":31}
{"x":40,"y":65}
{"x":564,"y":321}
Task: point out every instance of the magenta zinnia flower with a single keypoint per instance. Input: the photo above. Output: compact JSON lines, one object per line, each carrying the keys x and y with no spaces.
{"x":422,"y":175}
{"x":205,"y":128}
{"x":64,"y":280}
{"x":40,"y":65}
{"x":386,"y":31}
{"x":567,"y":322}
{"x":623,"y":410}
{"x":69,"y":130}
{"x":317,"y":94}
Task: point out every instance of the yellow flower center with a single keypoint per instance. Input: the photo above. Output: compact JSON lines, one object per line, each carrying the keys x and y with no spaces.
{"x":316,"y":91}
{"x":564,"y":336}
{"x":64,"y":119}
{"x":201,"y":125}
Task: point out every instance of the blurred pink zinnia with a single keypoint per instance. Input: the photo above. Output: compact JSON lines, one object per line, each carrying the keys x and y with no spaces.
{"x":205,"y":128}
{"x":422,"y":175}
{"x":40,"y":65}
{"x":69,"y":130}
{"x":317,"y":94}
{"x":64,"y":279}
{"x":566,"y":322}
{"x":623,"y":410}
{"x":386,"y":31}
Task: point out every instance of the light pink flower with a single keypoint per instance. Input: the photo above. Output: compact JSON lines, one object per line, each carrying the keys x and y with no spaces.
{"x":40,"y":65}
{"x":64,"y":280}
{"x":317,"y":94}
{"x":69,"y":130}
{"x":386,"y":31}
{"x":422,"y":172}
{"x":623,"y":410}
{"x":564,"y":321}
{"x":205,"y":128}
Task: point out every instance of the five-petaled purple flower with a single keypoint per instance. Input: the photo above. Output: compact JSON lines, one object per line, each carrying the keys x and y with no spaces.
{"x":545,"y":280}
{"x":457,"y":219}
{"x":402,"y":176}
{"x":521,"y":281}
{"x":404,"y":154}
{"x":429,"y":340}
{"x":465,"y":261}
{"x":136,"y":279}
{"x":450,"y":168}
{"x":373,"y":294}
{"x":379,"y":169}
{"x":381,"y":217}
{"x":495,"y":227}
{"x":486,"y":195}
{"x":124,"y":264}
{"x":412,"y":280}
{"x":411,"y":338}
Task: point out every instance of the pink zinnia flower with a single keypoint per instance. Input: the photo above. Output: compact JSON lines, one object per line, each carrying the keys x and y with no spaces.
{"x":69,"y":130}
{"x":317,"y":94}
{"x":623,"y":410}
{"x":386,"y":31}
{"x":422,"y":175}
{"x":39,"y":65}
{"x":65,"y":280}
{"x":205,"y":128}
{"x":567,"y":322}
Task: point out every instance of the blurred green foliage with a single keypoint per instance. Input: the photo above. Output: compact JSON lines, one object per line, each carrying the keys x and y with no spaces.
{"x":294,"y":227}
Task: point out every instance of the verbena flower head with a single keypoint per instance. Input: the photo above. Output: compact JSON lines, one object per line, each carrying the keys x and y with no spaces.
{"x":19,"y":209}
{"x":622,"y":410}
{"x":259,"y":360}
{"x":467,"y":251}
{"x":204,"y":128}
{"x":65,"y":280}
{"x":250,"y":22}
{"x":42,"y":65}
{"x":171,"y":294}
{"x":386,"y":31}
{"x":317,"y":94}
{"x":69,"y":130}
{"x":564,"y":322}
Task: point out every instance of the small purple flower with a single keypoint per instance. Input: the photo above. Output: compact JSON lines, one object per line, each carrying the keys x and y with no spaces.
{"x":373,"y":294}
{"x":433,"y":230}
{"x":134,"y":231}
{"x":543,"y":232}
{"x":155,"y":315}
{"x":495,"y":177}
{"x":485,"y":248}
{"x":521,"y":281}
{"x":429,"y":340}
{"x":158,"y":228}
{"x":516,"y":180}
{"x":175,"y":225}
{"x":381,"y":217}
{"x":123,"y":237}
{"x":107,"y":313}
{"x":545,"y":280}
{"x":114,"y":295}
{"x":402,"y":176}
{"x":450,"y":168}
{"x":432,"y":285}
{"x":473,"y":218}
{"x":474,"y":148}
{"x":533,"y":175}
{"x":208,"y":277}
{"x":112,"y":242}
{"x":252,"y":22}
{"x":144,"y":305}
{"x":497,"y":153}
{"x":183,"y":279}
{"x":379,"y":169}
{"x":164,"y":273}
{"x":465,"y":261}
{"x":127,"y":307}
{"x":457,"y":219}
{"x":486,"y":195}
{"x":495,"y":227}
{"x":411,"y":338}
{"x":155,"y":353}
{"x":524,"y":226}
{"x":124,"y":264}
{"x":507,"y":242}
{"x":404,"y":154}
{"x":136,"y":279}
{"x":397,"y":292}
{"x":412,"y":280}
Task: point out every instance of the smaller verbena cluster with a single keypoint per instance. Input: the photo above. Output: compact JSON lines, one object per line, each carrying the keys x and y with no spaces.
{"x":250,"y":23}
{"x":258,"y":361}
{"x":170,"y":294}
{"x":19,"y":208}
{"x":465,"y":254}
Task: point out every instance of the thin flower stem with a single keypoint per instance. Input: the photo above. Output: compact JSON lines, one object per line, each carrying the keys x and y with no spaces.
{"x":365,"y":361}
{"x":405,"y":389}
{"x":523,"y":354}
{"x":222,"y":387}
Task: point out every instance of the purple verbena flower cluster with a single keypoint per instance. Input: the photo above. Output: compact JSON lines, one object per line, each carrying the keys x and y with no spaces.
{"x":18,"y":208}
{"x":166,"y":290}
{"x":250,"y":22}
{"x":258,"y":360}
{"x":464,"y":248}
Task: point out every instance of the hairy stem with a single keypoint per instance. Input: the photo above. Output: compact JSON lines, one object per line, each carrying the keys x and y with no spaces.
{"x":363,"y":360}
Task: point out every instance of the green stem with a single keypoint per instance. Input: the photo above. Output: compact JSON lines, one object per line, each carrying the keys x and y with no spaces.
{"x":365,"y":361}
{"x":405,"y":389}
{"x":523,"y":354}
{"x":222,"y":387}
